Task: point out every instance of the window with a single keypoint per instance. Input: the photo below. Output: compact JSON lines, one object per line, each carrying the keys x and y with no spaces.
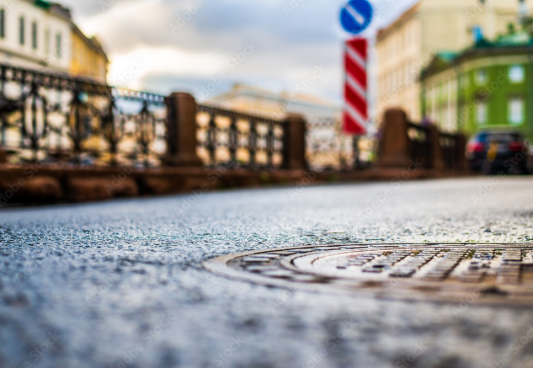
{"x":34,"y":35}
{"x":428,"y":95}
{"x":2,"y":23}
{"x":58,"y":45}
{"x":516,"y":74}
{"x":47,"y":42}
{"x":21,"y":31}
{"x":482,"y":76}
{"x":515,"y":110}
{"x":482,"y":113}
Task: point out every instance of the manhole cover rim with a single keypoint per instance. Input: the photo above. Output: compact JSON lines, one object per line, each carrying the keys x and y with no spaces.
{"x":220,"y":266}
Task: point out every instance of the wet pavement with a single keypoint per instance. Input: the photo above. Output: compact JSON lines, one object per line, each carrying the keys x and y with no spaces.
{"x":121,"y":283}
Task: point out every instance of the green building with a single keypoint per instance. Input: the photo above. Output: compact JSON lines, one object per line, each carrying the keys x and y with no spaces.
{"x":488,"y":85}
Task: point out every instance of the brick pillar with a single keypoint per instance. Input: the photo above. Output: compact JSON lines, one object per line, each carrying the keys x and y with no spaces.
{"x":394,"y":149}
{"x":294,"y":142}
{"x":436,"y":151}
{"x":182,"y":130}
{"x":460,"y":146}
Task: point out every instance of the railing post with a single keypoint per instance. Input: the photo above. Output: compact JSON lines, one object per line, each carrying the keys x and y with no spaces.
{"x":460,"y":143}
{"x":394,"y":151}
{"x":356,"y":152}
{"x":435,"y":148}
{"x":294,"y":142}
{"x":182,"y":130}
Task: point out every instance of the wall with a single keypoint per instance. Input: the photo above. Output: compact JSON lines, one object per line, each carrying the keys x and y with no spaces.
{"x":447,"y":24}
{"x":440,"y":100}
{"x":495,"y":92}
{"x":87,"y":59}
{"x":48,"y":24}
{"x":431,"y":26}
{"x":399,"y":62}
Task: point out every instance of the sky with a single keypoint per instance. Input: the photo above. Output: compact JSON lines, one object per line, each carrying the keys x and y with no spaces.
{"x":205,"y":46}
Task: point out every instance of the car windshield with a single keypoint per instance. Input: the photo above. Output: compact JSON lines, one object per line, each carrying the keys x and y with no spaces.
{"x":499,"y":137}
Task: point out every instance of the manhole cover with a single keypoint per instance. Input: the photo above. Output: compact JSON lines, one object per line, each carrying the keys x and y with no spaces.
{"x":460,"y":272}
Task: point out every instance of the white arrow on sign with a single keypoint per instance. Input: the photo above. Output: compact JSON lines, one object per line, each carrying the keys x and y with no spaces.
{"x":357,"y":16}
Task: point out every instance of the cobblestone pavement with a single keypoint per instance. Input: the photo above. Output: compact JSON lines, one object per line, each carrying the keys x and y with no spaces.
{"x":121,"y":283}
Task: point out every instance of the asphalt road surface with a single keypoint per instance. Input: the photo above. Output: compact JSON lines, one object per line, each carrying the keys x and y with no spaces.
{"x":121,"y":283}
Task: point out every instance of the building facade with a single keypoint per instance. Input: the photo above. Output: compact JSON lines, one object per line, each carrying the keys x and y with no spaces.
{"x":41,"y":35}
{"x":408,"y":45}
{"x":35,"y":34}
{"x":88,"y":57}
{"x":489,"y":85}
{"x":257,"y":101}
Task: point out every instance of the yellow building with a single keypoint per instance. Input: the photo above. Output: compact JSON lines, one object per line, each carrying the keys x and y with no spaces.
{"x":406,"y":46}
{"x":88,"y":57}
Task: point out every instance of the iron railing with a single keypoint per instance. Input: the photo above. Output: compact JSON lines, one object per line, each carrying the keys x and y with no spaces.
{"x":230,"y":138}
{"x":56,"y":118}
{"x":420,"y":145}
{"x":328,"y":148}
{"x":452,"y":149}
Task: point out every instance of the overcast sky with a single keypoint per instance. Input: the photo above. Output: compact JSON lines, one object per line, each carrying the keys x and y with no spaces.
{"x":185,"y":45}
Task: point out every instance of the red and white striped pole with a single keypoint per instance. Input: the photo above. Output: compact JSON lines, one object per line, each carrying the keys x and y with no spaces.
{"x":355,"y":114}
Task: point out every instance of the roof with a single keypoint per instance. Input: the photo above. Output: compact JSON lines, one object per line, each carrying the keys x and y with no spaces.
{"x":441,"y":61}
{"x":386,"y":31}
{"x":54,"y":8}
{"x":91,"y":42}
{"x":245,"y":90}
{"x":42,"y":4}
{"x":504,"y":44}
{"x":512,"y":39}
{"x":511,"y":43}
{"x":60,"y":10}
{"x":446,"y":56}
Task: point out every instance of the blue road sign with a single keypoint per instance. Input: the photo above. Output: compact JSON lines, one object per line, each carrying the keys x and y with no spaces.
{"x":356,"y":16}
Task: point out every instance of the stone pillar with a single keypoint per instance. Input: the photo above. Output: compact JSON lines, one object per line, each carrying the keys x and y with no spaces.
{"x":394,"y":149}
{"x":460,"y":146}
{"x":294,"y":142}
{"x":436,"y":151}
{"x":182,"y":131}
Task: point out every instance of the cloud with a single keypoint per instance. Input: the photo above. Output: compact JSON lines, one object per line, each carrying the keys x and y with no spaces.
{"x":131,"y":67}
{"x":187,"y":43}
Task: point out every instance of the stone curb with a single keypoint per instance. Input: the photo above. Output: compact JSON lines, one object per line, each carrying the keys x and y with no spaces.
{"x":33,"y":183}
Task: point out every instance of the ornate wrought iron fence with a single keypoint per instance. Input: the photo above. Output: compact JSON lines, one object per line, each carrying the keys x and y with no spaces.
{"x":230,"y":138}
{"x":452,"y":149}
{"x":55,"y":118}
{"x":420,"y":144}
{"x":328,"y":148}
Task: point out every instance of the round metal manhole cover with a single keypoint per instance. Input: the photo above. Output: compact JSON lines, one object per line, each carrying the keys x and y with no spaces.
{"x":460,"y":272}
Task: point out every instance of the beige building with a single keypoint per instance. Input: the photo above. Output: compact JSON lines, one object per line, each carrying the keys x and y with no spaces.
{"x":36,"y":35}
{"x":323,"y":118}
{"x":409,"y":43}
{"x":256,"y":101}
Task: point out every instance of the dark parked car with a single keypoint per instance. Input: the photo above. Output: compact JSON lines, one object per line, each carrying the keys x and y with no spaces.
{"x":493,"y":151}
